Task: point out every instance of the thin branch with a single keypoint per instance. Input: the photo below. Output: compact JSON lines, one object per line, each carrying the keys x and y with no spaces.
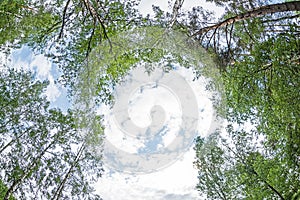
{"x":90,"y":41}
{"x":248,"y":33}
{"x":222,"y":195}
{"x":254,"y":171}
{"x":211,"y":38}
{"x":267,"y":183}
{"x":229,"y":43}
{"x":177,"y":6}
{"x":13,"y":140}
{"x":281,"y":31}
{"x":61,"y":186}
{"x":64,"y":18}
{"x":226,"y":34}
{"x":97,"y":17}
{"x":202,"y":37}
{"x":215,"y":42}
{"x":10,"y":13}
{"x":26,"y":172}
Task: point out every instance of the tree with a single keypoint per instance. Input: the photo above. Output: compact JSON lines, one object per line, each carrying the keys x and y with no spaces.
{"x":260,"y":74}
{"x":256,"y":44}
{"x":240,"y":27}
{"x":64,"y":30}
{"x":43,"y":155}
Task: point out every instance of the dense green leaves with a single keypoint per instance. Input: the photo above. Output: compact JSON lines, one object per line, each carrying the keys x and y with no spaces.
{"x":66,"y":31}
{"x":42,"y":154}
{"x":3,"y":190}
{"x":259,"y":152}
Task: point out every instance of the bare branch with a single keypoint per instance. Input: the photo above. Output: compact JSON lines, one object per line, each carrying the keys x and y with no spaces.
{"x":97,"y":17}
{"x":90,"y":41}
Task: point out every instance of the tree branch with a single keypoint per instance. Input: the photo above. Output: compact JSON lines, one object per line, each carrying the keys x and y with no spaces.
{"x":60,"y":188}
{"x":64,"y":18}
{"x":177,"y":6}
{"x":255,"y":173}
{"x":264,"y":10}
{"x":96,"y":17}
{"x":26,"y":172}
{"x":281,"y":18}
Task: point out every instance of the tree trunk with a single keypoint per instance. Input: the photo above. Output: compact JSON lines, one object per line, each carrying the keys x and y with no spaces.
{"x":177,"y":6}
{"x":13,"y":140}
{"x":26,"y":173}
{"x":264,"y":10}
{"x":60,"y":188}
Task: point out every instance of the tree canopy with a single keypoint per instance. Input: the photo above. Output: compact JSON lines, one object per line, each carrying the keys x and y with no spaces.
{"x":43,"y":151}
{"x":43,"y":154}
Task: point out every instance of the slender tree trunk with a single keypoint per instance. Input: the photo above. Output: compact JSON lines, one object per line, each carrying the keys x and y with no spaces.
{"x":222,"y":195}
{"x":269,"y":186}
{"x":13,"y":140}
{"x":26,"y":173}
{"x":264,"y":10}
{"x":257,"y":175}
{"x":177,"y":6}
{"x":61,"y":186}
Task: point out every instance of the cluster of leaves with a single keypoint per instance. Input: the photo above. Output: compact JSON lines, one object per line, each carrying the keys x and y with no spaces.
{"x":65,"y":31}
{"x":42,"y":154}
{"x":257,"y":157}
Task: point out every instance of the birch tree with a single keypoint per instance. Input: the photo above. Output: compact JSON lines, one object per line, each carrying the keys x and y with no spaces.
{"x":42,"y":153}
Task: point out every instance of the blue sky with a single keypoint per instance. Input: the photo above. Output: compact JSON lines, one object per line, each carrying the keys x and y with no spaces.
{"x":45,"y":70}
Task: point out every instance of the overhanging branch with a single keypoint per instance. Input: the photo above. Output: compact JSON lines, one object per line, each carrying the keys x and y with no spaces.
{"x":258,"y":12}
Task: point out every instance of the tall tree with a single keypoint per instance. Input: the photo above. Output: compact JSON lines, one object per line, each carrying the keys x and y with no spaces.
{"x":65,"y":30}
{"x":256,"y":44}
{"x":42,"y":153}
{"x":258,"y":52}
{"x":244,"y":23}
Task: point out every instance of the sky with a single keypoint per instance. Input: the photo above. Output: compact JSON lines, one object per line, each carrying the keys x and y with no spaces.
{"x":24,"y":58}
{"x":177,"y":179}
{"x":174,"y":181}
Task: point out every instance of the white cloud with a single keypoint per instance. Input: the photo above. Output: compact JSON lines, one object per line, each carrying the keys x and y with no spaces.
{"x":20,"y":64}
{"x":52,"y":91}
{"x":43,"y":66}
{"x":145,"y":6}
{"x":175,"y":182}
{"x":189,"y":4}
{"x":24,"y":59}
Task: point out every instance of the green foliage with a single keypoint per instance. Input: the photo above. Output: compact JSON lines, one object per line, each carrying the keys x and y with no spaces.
{"x":3,"y":190}
{"x":259,"y":154}
{"x":22,"y":21}
{"x":42,"y":153}
{"x":64,"y":31}
{"x":151,"y":47}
